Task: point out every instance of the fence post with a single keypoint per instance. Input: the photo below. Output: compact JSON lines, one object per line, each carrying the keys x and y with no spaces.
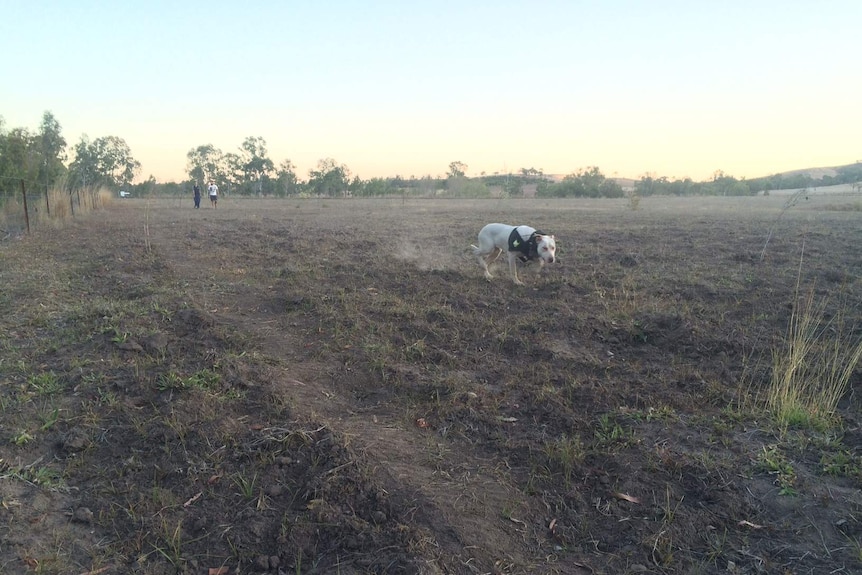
{"x":72,"y":202}
{"x":26,"y":215}
{"x":47,"y":204}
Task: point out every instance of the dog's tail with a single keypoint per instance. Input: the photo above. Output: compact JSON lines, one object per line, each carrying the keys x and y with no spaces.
{"x":475,"y":250}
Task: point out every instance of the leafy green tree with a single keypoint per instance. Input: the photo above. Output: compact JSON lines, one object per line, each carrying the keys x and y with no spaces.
{"x":204,"y":163}
{"x":457,"y":170}
{"x":286,"y":181}
{"x":378,"y":187}
{"x":83,"y":170}
{"x":19,"y":160}
{"x":725,"y":185}
{"x":588,"y":183}
{"x":230,"y":174}
{"x":531,"y":173}
{"x":106,"y":161}
{"x":52,"y":147}
{"x":461,"y":187}
{"x":254,"y":163}
{"x":38,"y":158}
{"x":329,"y":179}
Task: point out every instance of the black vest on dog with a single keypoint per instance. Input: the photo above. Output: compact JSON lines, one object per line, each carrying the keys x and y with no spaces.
{"x":529,"y":248}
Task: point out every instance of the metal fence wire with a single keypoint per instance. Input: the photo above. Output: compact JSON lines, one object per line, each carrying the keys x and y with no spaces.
{"x":26,"y":209}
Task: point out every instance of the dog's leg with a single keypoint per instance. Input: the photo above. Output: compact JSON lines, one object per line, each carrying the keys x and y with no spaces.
{"x":486,"y":260}
{"x":513,"y":268}
{"x":540,"y":268}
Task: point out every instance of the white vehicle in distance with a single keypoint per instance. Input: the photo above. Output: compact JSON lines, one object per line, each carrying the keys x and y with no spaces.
{"x":125,"y":194}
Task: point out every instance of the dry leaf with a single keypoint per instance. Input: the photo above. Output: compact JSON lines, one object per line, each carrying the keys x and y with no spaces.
{"x":628,"y":498}
{"x":193,"y":499}
{"x":745,"y":523}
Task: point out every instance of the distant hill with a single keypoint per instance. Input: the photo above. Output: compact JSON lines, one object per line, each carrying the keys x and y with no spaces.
{"x":817,"y":173}
{"x":797,"y":177}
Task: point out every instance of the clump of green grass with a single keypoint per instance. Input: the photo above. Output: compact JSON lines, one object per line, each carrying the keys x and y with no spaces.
{"x":773,"y":461}
{"x":812,"y":370}
{"x":565,"y":453}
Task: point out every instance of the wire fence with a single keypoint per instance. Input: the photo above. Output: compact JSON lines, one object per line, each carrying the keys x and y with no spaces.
{"x":26,"y":209}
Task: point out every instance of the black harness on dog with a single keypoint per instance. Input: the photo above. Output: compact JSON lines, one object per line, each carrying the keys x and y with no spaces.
{"x":529,"y":249}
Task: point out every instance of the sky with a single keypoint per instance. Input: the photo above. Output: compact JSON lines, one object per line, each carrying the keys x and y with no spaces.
{"x":664,"y":88}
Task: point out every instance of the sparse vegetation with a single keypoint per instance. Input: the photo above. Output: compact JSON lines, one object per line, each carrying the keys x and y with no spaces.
{"x":313,"y":387}
{"x":811,"y":372}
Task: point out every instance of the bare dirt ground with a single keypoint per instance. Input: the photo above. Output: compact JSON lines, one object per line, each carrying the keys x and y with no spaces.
{"x":330,"y":386}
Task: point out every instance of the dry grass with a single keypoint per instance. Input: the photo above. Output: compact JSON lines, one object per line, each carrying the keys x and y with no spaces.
{"x":53,"y":208}
{"x":331,"y":386}
{"x":812,"y":372}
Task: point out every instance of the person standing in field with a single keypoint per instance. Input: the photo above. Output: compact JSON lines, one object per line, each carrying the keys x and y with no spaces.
{"x":197,"y":190}
{"x":213,"y":192}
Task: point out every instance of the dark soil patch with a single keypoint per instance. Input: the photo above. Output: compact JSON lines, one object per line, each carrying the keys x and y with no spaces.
{"x":330,"y":386}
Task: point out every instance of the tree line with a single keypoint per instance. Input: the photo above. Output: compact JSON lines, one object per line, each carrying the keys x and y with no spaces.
{"x":40,"y":158}
{"x":723,"y":184}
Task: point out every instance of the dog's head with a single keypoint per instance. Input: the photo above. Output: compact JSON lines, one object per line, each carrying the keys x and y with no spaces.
{"x":546,"y":247}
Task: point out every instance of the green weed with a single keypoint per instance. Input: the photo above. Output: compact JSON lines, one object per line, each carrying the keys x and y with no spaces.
{"x":46,"y":383}
{"x":773,"y":461}
{"x":565,"y":453}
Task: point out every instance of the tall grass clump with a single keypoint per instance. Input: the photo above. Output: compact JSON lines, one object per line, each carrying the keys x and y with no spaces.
{"x":812,"y":369}
{"x":61,"y":199}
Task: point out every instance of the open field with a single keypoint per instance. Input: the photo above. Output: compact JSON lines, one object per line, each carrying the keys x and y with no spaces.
{"x":330,"y":386}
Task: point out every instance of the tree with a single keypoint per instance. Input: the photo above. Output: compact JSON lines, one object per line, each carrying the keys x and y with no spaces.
{"x":588,"y":182}
{"x":529,"y":173}
{"x":38,"y":158}
{"x":84,"y":170}
{"x":286,"y":181}
{"x":106,"y":161}
{"x":116,"y":164}
{"x":457,"y":170}
{"x":18,"y":159}
{"x":254,"y":163}
{"x":52,"y":147}
{"x":329,"y":179}
{"x":204,"y":163}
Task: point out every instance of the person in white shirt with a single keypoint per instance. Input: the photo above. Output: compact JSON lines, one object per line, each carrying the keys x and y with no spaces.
{"x":213,"y":192}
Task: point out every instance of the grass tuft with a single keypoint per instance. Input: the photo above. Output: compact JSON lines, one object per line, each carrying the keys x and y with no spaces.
{"x":811,"y":372}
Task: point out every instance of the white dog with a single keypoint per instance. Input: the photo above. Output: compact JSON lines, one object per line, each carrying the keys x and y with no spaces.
{"x":520,"y":242}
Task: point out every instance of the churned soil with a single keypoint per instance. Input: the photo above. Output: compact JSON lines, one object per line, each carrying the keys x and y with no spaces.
{"x":331,"y":386}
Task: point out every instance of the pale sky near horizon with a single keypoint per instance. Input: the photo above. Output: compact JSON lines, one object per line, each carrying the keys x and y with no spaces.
{"x":670,"y":88}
